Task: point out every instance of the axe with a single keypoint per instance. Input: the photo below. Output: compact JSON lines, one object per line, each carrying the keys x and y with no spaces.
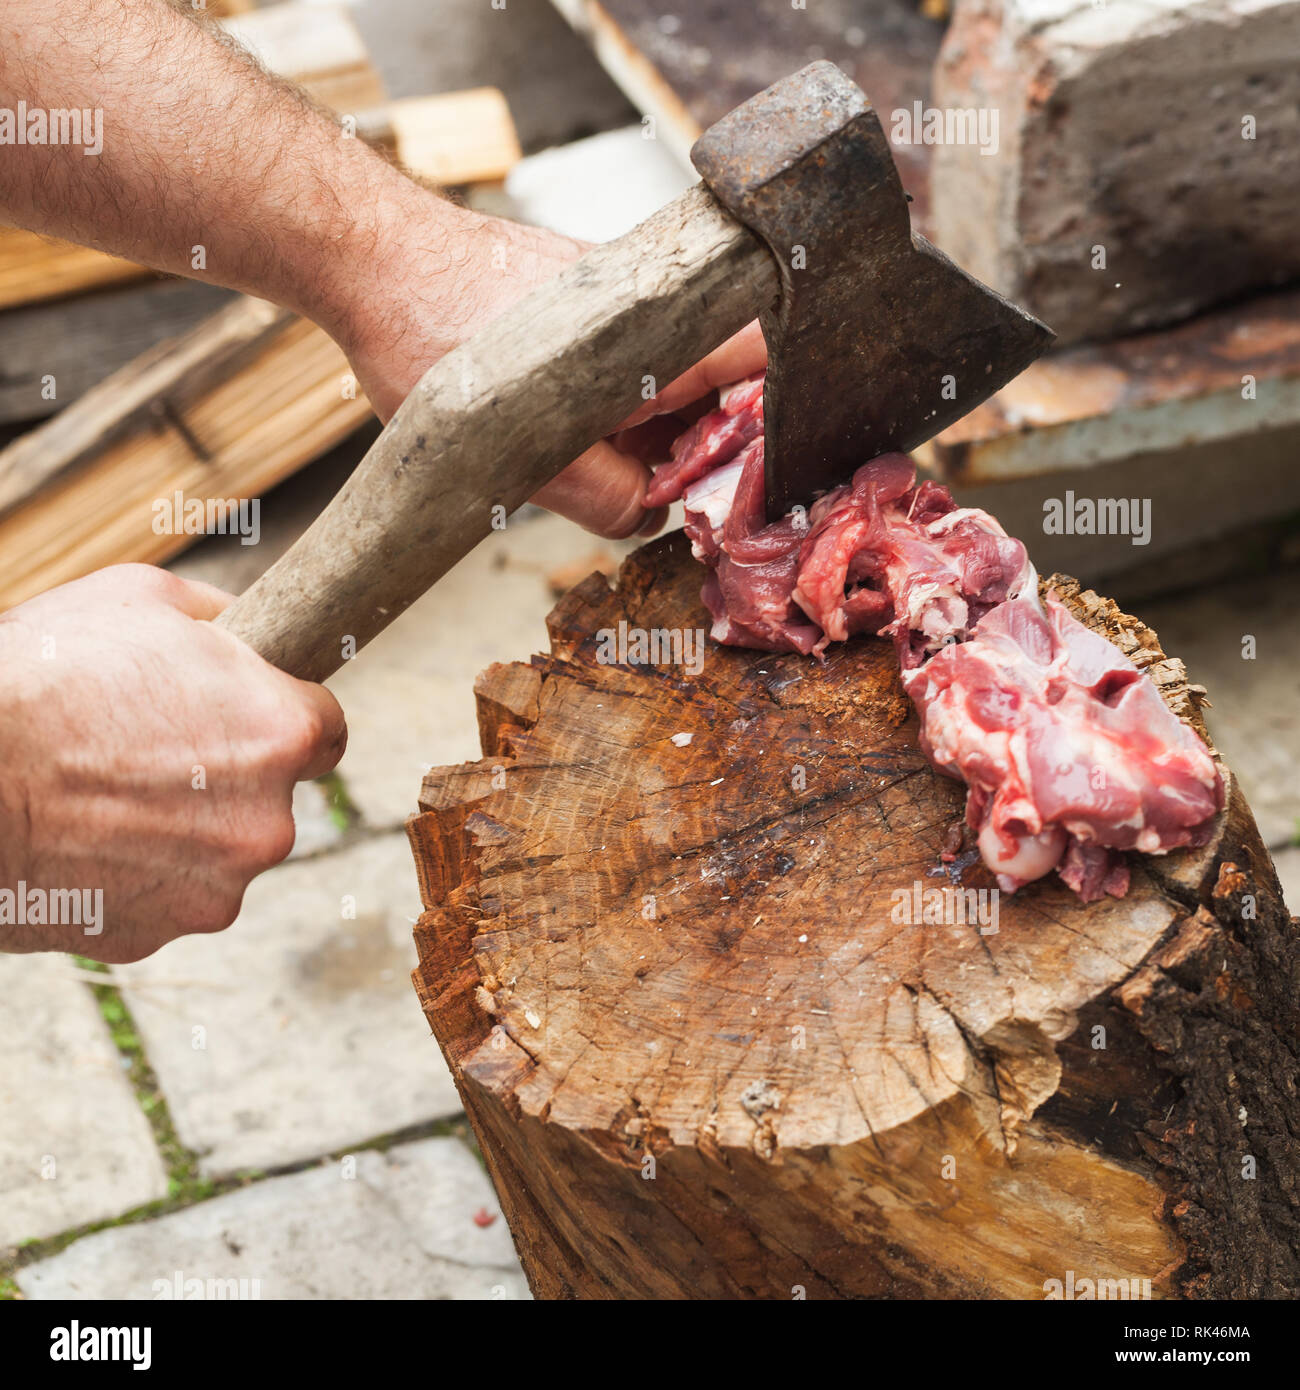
{"x":875,"y":341}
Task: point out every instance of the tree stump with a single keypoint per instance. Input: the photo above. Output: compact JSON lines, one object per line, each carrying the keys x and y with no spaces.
{"x":704,"y":1060}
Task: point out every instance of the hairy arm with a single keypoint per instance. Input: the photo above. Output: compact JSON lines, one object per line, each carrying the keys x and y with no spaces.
{"x":200,"y":149}
{"x":212,"y":169}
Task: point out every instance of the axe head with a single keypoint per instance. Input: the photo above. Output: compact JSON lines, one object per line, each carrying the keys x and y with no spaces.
{"x":878,"y":341}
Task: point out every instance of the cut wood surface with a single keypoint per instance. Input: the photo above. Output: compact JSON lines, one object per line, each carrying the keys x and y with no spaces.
{"x":266,"y":417}
{"x":703,"y":1057}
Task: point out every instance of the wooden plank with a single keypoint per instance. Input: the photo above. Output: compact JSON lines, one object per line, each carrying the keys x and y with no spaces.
{"x":159,"y":383}
{"x":1098,"y":403}
{"x":282,"y":408}
{"x":82,"y":340}
{"x":455,"y":138}
{"x":34,"y":267}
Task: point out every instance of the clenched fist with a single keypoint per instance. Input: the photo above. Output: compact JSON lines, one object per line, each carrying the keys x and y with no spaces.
{"x":149,"y":760}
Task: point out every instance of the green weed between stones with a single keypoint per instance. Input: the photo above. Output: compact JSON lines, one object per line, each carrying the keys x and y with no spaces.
{"x":343,"y":811}
{"x":184,"y":1183}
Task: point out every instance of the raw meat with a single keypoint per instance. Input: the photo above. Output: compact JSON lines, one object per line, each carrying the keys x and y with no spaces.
{"x":713,"y":439}
{"x":1069,"y":751}
{"x":1070,"y":755}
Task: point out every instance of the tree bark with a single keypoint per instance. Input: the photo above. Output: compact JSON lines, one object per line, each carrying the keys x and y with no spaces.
{"x":704,"y":1060}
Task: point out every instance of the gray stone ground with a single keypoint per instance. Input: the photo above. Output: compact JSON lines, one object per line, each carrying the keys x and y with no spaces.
{"x":253,"y":1066}
{"x":74,"y":1145}
{"x":397,"y":1225}
{"x":1241,"y":640}
{"x":293,"y":1034}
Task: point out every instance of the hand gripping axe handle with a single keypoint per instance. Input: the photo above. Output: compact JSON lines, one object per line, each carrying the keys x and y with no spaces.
{"x":875,"y":342}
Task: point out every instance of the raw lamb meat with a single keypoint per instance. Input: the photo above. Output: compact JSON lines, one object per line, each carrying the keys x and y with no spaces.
{"x":1070,"y":755}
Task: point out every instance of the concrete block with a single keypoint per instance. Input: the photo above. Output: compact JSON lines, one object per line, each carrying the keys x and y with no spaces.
{"x":1158,"y":133}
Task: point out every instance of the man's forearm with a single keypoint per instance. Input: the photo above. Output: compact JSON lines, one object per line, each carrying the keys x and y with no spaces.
{"x":207,"y":168}
{"x":202,"y":150}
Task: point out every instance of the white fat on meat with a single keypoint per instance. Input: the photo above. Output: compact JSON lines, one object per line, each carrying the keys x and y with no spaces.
{"x":710,"y":497}
{"x":725,"y":393}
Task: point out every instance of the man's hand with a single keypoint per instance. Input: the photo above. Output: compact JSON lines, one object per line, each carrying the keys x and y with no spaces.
{"x":147,"y":754}
{"x":404,"y":310}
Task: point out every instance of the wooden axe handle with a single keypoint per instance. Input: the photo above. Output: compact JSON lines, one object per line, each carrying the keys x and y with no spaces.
{"x":492,"y":421}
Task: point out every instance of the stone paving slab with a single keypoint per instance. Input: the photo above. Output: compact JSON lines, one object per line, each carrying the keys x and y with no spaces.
{"x":402,"y":1228}
{"x":66,"y":1108}
{"x":296,"y":1032}
{"x":409,"y":695}
{"x":1255,"y":719}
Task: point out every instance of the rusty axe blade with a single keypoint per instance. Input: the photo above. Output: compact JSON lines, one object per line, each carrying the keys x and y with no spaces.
{"x":877,"y":340}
